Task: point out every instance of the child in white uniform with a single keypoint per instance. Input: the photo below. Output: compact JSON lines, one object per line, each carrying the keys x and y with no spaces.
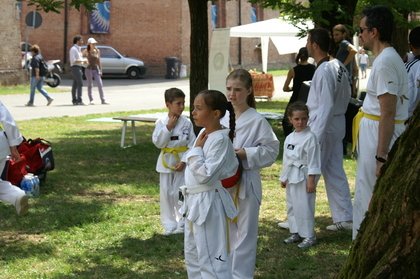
{"x":301,"y":170}
{"x":208,"y":206}
{"x":174,"y":135}
{"x":257,"y":146}
{"x":9,"y":193}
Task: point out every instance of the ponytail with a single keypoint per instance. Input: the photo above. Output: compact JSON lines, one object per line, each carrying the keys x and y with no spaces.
{"x":232,"y":122}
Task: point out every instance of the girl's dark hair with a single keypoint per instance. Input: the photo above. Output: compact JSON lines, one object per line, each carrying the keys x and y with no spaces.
{"x":296,"y":106}
{"x":246,"y":78}
{"x":172,"y":93}
{"x":302,"y":55}
{"x":216,"y":100}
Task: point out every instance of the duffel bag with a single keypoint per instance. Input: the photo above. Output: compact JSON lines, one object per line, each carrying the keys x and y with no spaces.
{"x":39,"y":155}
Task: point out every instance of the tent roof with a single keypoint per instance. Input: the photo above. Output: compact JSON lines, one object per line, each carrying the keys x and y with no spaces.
{"x":270,"y":27}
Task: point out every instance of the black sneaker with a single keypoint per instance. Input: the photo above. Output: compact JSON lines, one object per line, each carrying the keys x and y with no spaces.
{"x":293,"y":238}
{"x":29,"y":104}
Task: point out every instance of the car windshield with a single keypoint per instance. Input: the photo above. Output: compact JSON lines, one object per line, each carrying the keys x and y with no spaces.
{"x":108,"y":53}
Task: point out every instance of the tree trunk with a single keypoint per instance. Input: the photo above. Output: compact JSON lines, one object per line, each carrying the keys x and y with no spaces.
{"x":387,"y":245}
{"x":199,"y":49}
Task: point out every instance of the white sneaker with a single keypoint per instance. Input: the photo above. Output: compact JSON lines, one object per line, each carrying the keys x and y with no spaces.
{"x":284,"y":225}
{"x":22,"y":205}
{"x":340,"y":226}
{"x":168,"y":232}
{"x":294,"y":237}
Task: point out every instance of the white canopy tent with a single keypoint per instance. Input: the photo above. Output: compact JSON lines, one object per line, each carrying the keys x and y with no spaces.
{"x":282,"y":34}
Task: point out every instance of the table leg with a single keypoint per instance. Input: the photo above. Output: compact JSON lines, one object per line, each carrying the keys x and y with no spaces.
{"x":133,"y":130}
{"x":124,"y":128}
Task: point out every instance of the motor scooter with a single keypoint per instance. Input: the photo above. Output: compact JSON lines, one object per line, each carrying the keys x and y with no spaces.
{"x":53,"y":78}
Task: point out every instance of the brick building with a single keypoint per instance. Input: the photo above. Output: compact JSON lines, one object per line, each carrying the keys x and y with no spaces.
{"x":149,"y":30}
{"x":10,"y":70}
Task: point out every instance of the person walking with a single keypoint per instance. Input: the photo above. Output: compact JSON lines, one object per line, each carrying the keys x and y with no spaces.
{"x":11,"y":138}
{"x":93,"y":70}
{"x":37,"y":77}
{"x":363,"y":62}
{"x":208,"y":206}
{"x":303,"y":71}
{"x":300,"y":174}
{"x":174,"y":135}
{"x":257,"y":147}
{"x":77,"y":62}
{"x":385,"y":107}
{"x":328,"y":99}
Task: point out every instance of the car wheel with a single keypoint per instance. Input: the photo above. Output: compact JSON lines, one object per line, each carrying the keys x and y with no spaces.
{"x":133,"y":73}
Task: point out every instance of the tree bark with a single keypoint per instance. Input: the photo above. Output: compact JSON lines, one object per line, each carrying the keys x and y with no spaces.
{"x":387,"y":245}
{"x":199,"y":49}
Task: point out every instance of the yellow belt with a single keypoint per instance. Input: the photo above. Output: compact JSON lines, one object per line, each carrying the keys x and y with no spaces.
{"x":174,"y":151}
{"x":356,"y":125}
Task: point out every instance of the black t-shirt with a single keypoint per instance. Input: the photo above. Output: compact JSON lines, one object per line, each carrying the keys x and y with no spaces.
{"x":302,"y":73}
{"x":35,"y":61}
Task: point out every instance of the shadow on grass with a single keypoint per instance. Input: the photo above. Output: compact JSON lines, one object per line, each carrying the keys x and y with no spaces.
{"x":278,"y":260}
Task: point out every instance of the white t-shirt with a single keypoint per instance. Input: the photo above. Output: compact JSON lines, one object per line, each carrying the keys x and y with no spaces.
{"x":388,"y":75}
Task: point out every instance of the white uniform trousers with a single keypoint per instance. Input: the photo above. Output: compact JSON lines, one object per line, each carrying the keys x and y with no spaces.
{"x":336,"y":184}
{"x":300,"y":209}
{"x":366,"y":168}
{"x":169,"y":195}
{"x":9,"y":193}
{"x":206,"y":245}
{"x":244,"y":236}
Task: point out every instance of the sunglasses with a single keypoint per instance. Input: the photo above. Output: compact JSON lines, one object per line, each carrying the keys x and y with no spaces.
{"x":361,"y":29}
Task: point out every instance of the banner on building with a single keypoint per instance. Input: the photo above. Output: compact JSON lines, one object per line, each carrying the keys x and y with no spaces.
{"x":99,"y":18}
{"x":219,"y":59}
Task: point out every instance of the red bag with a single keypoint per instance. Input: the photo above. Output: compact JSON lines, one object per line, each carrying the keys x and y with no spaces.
{"x":15,"y":171}
{"x":38,"y":154}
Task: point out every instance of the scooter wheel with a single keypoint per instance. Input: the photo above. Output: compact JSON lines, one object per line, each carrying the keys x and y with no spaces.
{"x":56,"y":79}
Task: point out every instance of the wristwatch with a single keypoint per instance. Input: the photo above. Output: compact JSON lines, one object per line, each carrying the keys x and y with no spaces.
{"x":380,"y":159}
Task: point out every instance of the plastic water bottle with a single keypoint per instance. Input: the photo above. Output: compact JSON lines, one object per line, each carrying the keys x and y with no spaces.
{"x":30,"y":184}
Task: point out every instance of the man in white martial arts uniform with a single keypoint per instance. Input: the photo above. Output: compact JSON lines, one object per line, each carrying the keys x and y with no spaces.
{"x":413,"y":70}
{"x":328,"y":97}
{"x":11,"y":138}
{"x":385,"y":107}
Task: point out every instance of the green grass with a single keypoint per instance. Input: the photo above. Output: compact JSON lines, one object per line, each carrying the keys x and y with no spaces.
{"x":98,"y":213}
{"x":280,"y":72}
{"x":24,"y":88}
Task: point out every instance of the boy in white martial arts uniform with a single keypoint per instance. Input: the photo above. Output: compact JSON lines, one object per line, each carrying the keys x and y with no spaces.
{"x":257,"y":146}
{"x":301,"y":170}
{"x":207,"y":204}
{"x":328,"y":99}
{"x":9,"y":193}
{"x":174,"y":135}
{"x":385,"y":108}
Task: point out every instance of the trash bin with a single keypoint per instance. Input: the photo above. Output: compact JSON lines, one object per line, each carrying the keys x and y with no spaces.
{"x":173,"y":67}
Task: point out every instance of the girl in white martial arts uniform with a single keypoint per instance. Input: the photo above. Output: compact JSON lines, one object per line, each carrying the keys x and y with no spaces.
{"x":174,"y":135}
{"x":257,"y":146}
{"x":8,"y":192}
{"x":208,"y":206}
{"x":301,"y":170}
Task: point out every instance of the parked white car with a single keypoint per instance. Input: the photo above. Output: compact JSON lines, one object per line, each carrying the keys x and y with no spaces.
{"x":114,"y":63}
